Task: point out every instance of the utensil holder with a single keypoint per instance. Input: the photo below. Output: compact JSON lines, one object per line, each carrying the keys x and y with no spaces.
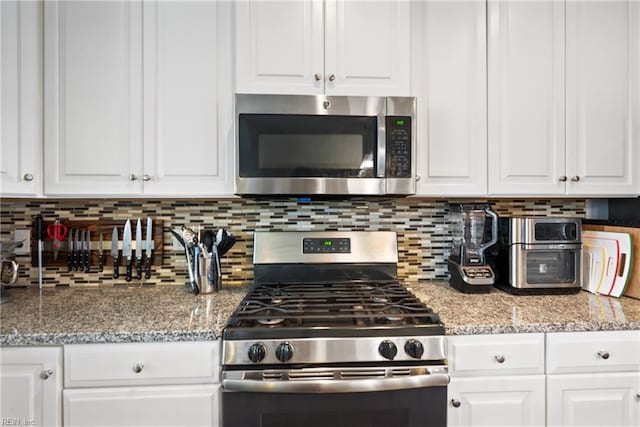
{"x":206,"y":273}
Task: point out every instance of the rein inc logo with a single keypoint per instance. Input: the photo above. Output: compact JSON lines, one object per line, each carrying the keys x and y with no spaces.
{"x":16,"y":421}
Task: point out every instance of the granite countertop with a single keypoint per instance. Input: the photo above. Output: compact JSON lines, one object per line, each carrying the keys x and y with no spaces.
{"x":171,"y":313}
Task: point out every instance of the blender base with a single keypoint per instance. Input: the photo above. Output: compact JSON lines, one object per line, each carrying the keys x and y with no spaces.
{"x":458,"y":282}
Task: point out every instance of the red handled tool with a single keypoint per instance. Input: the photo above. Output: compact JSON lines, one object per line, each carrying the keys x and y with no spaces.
{"x":57,"y":232}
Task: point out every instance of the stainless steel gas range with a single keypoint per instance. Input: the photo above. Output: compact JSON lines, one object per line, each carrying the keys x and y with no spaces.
{"x":328,"y":335}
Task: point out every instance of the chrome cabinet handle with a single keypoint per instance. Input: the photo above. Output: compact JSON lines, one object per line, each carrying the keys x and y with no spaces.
{"x":418,"y":177}
{"x":638,"y":396}
{"x":562,"y":179}
{"x":575,"y":179}
{"x":455,"y":403}
{"x":499,"y":358}
{"x":604,"y":354}
{"x":138,"y":368}
{"x":317,"y":76}
{"x":45,"y":374}
{"x":146,"y":177}
{"x":28,"y":177}
{"x":332,"y":77}
{"x":133,"y":177}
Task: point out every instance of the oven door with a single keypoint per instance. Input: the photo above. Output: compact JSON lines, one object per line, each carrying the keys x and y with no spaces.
{"x":314,"y":397}
{"x":546,"y":266}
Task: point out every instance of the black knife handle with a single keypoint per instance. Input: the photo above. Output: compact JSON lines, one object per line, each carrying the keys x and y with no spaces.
{"x":69,"y":261}
{"x":138,"y":268}
{"x":147,"y":267}
{"x":116,"y":267}
{"x":87,"y":260}
{"x":77,"y":259}
{"x":101,"y":262}
{"x":129,"y":265}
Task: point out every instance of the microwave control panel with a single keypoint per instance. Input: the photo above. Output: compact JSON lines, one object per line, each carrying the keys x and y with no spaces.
{"x":398,"y":130}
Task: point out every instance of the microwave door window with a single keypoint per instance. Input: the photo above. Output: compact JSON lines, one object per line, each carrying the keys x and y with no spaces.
{"x":307,"y":146}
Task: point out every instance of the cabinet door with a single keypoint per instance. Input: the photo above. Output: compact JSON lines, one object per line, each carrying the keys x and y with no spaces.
{"x":603,"y":116}
{"x":21,"y":98}
{"x":449,"y":79}
{"x":368,"y":47}
{"x":188,"y":148}
{"x":586,"y":399}
{"x":196,"y":405}
{"x":279,"y":47}
{"x":93,"y":97}
{"x":496,"y":401}
{"x":31,"y":386}
{"x":526,"y":97}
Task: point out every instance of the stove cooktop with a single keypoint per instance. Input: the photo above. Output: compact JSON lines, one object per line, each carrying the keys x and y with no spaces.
{"x":337,"y":309}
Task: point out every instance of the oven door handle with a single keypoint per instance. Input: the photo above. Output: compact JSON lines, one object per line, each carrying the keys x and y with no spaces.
{"x":336,"y":386}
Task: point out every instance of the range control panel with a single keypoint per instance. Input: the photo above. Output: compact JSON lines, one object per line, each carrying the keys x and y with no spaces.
{"x":398,"y":130}
{"x":339,"y":245}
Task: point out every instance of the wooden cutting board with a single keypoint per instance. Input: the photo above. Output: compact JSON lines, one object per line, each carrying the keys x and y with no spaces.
{"x":633,"y":287}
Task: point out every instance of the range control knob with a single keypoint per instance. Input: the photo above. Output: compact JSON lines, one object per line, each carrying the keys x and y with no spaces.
{"x":284,"y":352}
{"x":414,"y":349}
{"x":387,"y":349}
{"x":257,"y":352}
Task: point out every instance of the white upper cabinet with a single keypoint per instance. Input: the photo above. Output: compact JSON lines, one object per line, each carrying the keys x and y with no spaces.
{"x":138,"y":98}
{"x":20,"y":98}
{"x":449,"y":80}
{"x":93,"y":97}
{"x":563,"y":97}
{"x":603,"y":115}
{"x":526,"y":97}
{"x":337,"y":47}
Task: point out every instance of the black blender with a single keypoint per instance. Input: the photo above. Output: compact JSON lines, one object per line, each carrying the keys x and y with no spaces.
{"x":472,"y":236}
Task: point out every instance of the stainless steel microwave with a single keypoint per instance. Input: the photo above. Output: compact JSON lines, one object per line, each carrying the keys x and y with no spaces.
{"x":325,"y":145}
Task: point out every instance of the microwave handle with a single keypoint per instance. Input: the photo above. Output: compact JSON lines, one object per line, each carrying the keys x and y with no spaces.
{"x":381,"y":148}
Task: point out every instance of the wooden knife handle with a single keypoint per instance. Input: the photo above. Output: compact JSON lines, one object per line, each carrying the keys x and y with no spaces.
{"x":147,"y":267}
{"x":129,"y":265}
{"x":138,"y":268}
{"x":116,"y":267}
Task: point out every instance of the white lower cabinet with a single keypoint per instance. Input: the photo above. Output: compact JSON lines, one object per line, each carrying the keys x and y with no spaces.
{"x":142,"y":384}
{"x":593,"y":378}
{"x":31,"y":386}
{"x":516,"y":400}
{"x":192,"y":405}
{"x":496,"y":380}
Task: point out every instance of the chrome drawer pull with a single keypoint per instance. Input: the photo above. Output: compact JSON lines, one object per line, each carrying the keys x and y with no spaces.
{"x":45,"y":374}
{"x":138,"y":368}
{"x":455,"y":403}
{"x":499,"y":358}
{"x":604,"y":354}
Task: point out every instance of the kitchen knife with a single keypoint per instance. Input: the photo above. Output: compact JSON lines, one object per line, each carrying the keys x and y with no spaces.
{"x":138,"y":250}
{"x":78,"y":251}
{"x":149,"y":248}
{"x":87,"y":252}
{"x":100,"y":255}
{"x":70,"y":252}
{"x":39,"y":223}
{"x":126,"y":248}
{"x":115,"y":253}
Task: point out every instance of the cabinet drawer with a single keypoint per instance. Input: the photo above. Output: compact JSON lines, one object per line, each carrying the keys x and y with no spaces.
{"x":88,"y":365}
{"x":575,"y":352}
{"x":496,"y":354}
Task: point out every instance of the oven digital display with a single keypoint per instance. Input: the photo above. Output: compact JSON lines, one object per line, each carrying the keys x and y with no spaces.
{"x":326,"y":246}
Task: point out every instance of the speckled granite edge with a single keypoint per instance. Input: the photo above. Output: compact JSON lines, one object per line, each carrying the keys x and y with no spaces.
{"x":107,"y":337}
{"x":543,"y":327}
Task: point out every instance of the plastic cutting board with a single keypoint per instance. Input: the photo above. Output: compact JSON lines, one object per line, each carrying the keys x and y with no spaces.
{"x":594,"y":257}
{"x":617,"y":261}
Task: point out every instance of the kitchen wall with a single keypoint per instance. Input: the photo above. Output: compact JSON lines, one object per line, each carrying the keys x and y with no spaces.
{"x":421,"y":224}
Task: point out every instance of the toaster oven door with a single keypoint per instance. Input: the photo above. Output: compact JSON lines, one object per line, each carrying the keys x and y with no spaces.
{"x":546,"y":266}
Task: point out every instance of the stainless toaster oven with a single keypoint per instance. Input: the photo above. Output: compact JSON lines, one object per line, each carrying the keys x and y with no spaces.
{"x":539,"y":255}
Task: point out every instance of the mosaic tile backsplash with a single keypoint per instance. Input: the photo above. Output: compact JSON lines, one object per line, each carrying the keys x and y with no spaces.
{"x":422,"y":226}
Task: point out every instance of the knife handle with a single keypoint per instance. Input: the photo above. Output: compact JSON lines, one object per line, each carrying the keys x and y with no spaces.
{"x":77,"y":259}
{"x":147,"y":267}
{"x":87,"y":261}
{"x":101,"y":262}
{"x":116,"y":267}
{"x":138,"y":268}
{"x":69,"y":260}
{"x":129,"y":265}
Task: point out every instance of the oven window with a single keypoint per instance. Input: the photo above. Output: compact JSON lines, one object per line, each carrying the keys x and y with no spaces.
{"x":551,"y":266}
{"x":273,"y":145}
{"x":399,"y":408}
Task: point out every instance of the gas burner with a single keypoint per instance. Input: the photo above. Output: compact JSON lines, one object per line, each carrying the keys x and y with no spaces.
{"x":382,"y":300}
{"x":393,"y":314}
{"x":270,"y":322}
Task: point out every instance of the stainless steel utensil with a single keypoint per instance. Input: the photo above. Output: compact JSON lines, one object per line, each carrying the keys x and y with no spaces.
{"x":149,"y":248}
{"x":126,"y":249}
{"x":115,"y":253}
{"x":138,"y":250}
